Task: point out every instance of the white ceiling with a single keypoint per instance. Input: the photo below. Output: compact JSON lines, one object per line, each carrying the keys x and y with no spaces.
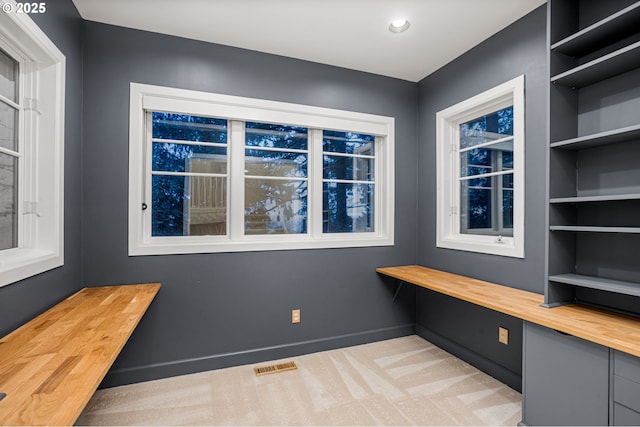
{"x":346,"y":33}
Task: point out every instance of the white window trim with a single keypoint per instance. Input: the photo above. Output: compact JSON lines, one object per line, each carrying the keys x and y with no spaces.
{"x":157,"y":98}
{"x":41,"y":136}
{"x":448,"y":165}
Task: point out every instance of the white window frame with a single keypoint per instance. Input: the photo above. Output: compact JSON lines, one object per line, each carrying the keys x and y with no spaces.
{"x":41,"y":147}
{"x":448,"y":121}
{"x":235,"y":109}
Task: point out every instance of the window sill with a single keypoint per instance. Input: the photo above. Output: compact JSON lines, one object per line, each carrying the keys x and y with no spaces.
{"x":482,"y":244}
{"x":254,"y":244}
{"x":21,"y":264}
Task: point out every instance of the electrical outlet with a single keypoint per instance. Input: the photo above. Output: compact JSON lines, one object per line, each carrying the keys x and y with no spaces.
{"x":503,"y":335}
{"x":295,"y":316}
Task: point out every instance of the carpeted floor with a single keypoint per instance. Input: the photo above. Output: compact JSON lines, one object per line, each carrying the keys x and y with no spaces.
{"x":403,"y":381}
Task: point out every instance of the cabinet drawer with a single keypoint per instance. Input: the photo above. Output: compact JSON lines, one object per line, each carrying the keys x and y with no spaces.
{"x":626,"y":392}
{"x":623,"y":416}
{"x":627,"y":366}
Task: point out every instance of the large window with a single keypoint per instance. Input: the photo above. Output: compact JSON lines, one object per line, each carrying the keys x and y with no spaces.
{"x":214,"y":173}
{"x":480,"y":163}
{"x":31,"y":149}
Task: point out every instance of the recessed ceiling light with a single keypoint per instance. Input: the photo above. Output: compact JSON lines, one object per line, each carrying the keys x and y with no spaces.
{"x":399,"y":25}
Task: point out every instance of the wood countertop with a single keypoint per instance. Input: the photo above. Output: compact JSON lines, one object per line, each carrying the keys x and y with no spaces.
{"x":607,"y":328}
{"x":51,"y":366}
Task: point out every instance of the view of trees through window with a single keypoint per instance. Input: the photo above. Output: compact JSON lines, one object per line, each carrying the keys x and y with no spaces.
{"x":189,"y":178}
{"x":486,"y":175}
{"x":348,"y":188}
{"x":276,"y":163}
{"x":189,"y":175}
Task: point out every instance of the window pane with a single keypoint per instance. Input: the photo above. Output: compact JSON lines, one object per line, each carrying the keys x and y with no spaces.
{"x":495,"y":158}
{"x":8,"y":127}
{"x":476,"y":207}
{"x":275,"y":206}
{"x":188,"y":206}
{"x":275,"y":163}
{"x":207,"y":211}
{"x":275,"y":136}
{"x":348,"y":208}
{"x":8,"y":202}
{"x":490,"y":127}
{"x":8,"y":76}
{"x":188,"y":128}
{"x":507,"y":211}
{"x":348,"y":143}
{"x":346,"y":167}
{"x":182,"y":158}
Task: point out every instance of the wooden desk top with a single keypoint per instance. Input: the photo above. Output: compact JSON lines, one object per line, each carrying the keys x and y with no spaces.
{"x":51,"y":366}
{"x":607,"y":328}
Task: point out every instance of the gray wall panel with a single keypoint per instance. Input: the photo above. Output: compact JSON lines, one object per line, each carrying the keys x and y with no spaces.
{"x":21,"y":301}
{"x":214,"y":305}
{"x":519,"y":49}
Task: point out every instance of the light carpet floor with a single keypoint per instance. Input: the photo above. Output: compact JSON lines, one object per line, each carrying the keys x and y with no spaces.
{"x":403,"y":381}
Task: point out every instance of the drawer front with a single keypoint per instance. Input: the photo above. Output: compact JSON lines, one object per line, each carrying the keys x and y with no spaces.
{"x":626,"y":392}
{"x":627,"y":366}
{"x":623,"y":416}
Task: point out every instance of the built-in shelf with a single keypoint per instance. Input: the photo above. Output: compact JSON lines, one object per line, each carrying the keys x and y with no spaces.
{"x":628,"y":133}
{"x":618,"y":62}
{"x":592,"y":282}
{"x":605,"y":32}
{"x":604,"y":198}
{"x":595,"y":229}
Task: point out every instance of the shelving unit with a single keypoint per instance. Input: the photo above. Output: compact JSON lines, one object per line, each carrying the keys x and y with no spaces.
{"x":594,"y":154}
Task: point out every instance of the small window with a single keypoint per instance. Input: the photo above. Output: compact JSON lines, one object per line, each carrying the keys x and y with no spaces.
{"x":480,"y":163}
{"x":208,"y":173}
{"x":31,"y":150}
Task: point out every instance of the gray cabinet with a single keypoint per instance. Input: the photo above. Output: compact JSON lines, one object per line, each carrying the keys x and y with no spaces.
{"x":570,"y":381}
{"x":594,"y":147}
{"x":565,"y":379}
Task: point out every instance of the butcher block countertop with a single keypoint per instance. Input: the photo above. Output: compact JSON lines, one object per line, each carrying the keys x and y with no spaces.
{"x":617,"y":331}
{"x":51,"y":366}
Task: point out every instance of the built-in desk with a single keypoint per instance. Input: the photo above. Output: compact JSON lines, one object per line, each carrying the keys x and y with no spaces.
{"x":51,"y":366}
{"x":585,"y":375}
{"x":606,"y":328}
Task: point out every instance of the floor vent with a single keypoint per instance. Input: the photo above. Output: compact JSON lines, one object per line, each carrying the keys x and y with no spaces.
{"x":274,"y":369}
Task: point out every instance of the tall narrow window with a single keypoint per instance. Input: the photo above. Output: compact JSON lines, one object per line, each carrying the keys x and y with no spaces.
{"x":348,"y":182}
{"x":480,"y":172}
{"x":486,"y":174}
{"x":276,"y":179}
{"x":9,"y":151}
{"x":32,"y":76}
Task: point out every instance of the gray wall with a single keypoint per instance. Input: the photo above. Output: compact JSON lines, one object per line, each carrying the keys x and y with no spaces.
{"x":218,"y":310}
{"x":519,"y":49}
{"x":225,"y":309}
{"x":23,"y":300}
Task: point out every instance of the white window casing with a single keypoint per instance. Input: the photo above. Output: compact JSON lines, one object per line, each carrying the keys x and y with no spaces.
{"x":236,"y":110}
{"x":41,"y":89}
{"x":448,"y":121}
